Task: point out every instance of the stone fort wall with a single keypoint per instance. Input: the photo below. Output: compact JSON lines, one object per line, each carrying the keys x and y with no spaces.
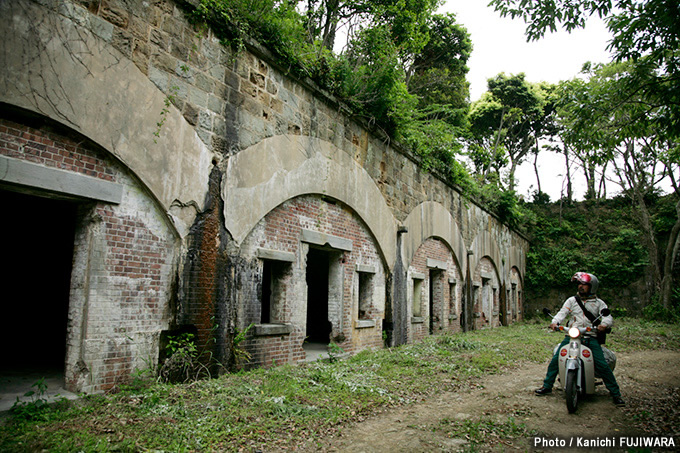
{"x":247,"y":165}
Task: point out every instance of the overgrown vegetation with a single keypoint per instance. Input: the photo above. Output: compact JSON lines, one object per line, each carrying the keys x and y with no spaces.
{"x":603,"y":237}
{"x":286,"y":406}
{"x":401,"y":69}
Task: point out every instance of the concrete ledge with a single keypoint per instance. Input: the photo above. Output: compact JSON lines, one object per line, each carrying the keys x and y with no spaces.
{"x":262,"y":330}
{"x":27,"y":174}
{"x":417,"y":276}
{"x":276,"y":255}
{"x":417,"y":320}
{"x":436,"y":264}
{"x":364,"y":323}
{"x":366,"y":268}
{"x":323,"y":239}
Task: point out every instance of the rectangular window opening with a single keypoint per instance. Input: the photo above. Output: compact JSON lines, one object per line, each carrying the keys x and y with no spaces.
{"x":365,"y":295}
{"x":417,"y":297}
{"x":453,"y":302}
{"x":273,"y":291}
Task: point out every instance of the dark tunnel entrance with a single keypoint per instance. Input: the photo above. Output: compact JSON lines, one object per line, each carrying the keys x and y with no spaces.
{"x":318,"y":325}
{"x":38,"y":235}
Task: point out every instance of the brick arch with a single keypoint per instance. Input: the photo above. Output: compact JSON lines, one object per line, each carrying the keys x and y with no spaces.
{"x":516,"y":259}
{"x":486,"y":296}
{"x":283,"y":167}
{"x":431,"y":219}
{"x":515,"y":305}
{"x":514,"y":271}
{"x":485,"y":245}
{"x":118,"y":109}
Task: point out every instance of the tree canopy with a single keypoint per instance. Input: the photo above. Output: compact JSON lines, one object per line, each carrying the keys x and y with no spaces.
{"x":646,"y":32}
{"x":402,"y":69}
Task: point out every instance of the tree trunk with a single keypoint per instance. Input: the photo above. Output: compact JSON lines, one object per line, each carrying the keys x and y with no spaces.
{"x":639,"y":188}
{"x":330,"y":27}
{"x":602,"y":190}
{"x":570,"y":193}
{"x":538,"y":178}
{"x":671,"y":252}
{"x":589,"y":171}
{"x":513,"y":168}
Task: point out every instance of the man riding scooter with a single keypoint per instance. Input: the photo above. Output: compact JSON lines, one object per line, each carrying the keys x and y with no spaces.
{"x":580,"y":311}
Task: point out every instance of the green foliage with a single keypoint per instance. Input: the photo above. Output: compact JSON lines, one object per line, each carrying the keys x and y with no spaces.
{"x":602,"y":238}
{"x":184,"y":362}
{"x":402,"y":70}
{"x":334,"y":352}
{"x":34,"y":408}
{"x":240,"y":354}
{"x":644,"y":32}
{"x":181,"y":364}
{"x":503,"y":203}
{"x":506,"y":124}
{"x":657,"y":312}
{"x":439,"y":69}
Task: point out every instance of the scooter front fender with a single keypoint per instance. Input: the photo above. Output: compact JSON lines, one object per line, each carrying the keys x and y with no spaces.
{"x":588,"y":369}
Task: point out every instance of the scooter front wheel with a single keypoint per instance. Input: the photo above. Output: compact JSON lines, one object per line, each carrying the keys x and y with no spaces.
{"x":571,"y":391}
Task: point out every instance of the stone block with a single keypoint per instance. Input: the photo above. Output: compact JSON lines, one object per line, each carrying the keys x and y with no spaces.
{"x":101,"y":28}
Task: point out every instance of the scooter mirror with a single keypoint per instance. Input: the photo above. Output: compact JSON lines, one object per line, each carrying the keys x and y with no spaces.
{"x":605,"y":312}
{"x":547,"y":312}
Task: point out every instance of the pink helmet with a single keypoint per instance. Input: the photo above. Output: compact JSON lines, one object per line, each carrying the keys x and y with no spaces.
{"x":585,"y":278}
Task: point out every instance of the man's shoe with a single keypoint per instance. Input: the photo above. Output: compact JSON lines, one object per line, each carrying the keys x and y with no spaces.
{"x":542,"y":391}
{"x":619,"y":401}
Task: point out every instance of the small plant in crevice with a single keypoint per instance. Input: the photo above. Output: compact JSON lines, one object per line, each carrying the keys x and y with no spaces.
{"x":334,"y":352}
{"x":185,"y":359}
{"x":168,"y":101}
{"x":36,"y":406}
{"x":238,"y":352}
{"x":182,"y":363}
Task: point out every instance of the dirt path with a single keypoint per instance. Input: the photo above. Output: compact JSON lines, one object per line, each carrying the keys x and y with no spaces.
{"x":650,"y":383}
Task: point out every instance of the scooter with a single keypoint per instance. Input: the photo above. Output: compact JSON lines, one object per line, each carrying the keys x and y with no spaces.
{"x":576,"y":365}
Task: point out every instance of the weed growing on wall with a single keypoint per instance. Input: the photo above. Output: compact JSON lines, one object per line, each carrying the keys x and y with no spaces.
{"x":238,"y":352}
{"x":168,"y":101}
{"x":182,"y":363}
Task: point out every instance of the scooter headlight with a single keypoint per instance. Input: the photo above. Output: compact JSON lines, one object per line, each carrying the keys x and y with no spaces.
{"x":574,"y":332}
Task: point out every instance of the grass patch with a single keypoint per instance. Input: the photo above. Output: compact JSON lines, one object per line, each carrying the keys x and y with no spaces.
{"x":485,"y":430}
{"x":280,"y":408}
{"x":631,"y":334}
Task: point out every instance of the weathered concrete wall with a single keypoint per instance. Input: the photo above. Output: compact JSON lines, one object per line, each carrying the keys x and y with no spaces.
{"x":74,"y":67}
{"x":241,"y":167}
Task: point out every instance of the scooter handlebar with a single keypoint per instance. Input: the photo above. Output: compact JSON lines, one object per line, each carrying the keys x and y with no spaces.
{"x":564,"y":329}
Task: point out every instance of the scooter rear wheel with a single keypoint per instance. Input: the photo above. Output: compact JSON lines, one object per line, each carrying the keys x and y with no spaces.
{"x":571,"y":391}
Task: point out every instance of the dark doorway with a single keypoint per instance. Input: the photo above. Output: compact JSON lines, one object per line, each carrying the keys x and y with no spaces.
{"x":318,"y":325}
{"x":436,"y":298}
{"x":35,"y":276}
